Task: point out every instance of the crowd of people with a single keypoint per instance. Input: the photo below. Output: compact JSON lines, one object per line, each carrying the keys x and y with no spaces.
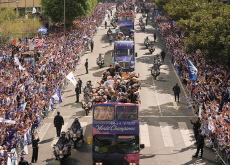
{"x":210,"y":91}
{"x":28,"y":84}
{"x":115,"y":87}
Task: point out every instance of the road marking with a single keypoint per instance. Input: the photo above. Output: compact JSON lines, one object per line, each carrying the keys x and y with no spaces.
{"x":144,"y":132}
{"x":64,"y":128}
{"x":175,"y":106}
{"x":43,"y":130}
{"x":186,"y":134}
{"x":158,"y":104}
{"x":167,"y":137}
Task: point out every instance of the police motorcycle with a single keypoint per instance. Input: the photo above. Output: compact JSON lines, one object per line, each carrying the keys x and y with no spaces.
{"x":151,"y":47}
{"x":142,"y":26}
{"x":147,"y":42}
{"x":109,"y":32}
{"x":100,"y":60}
{"x":140,"y":19}
{"x":113,"y":23}
{"x":86,"y":104}
{"x":110,"y":39}
{"x":75,"y":132}
{"x":62,"y":149}
{"x":155,"y":71}
{"x":158,"y":60}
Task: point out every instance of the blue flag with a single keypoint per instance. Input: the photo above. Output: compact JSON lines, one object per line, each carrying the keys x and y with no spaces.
{"x":178,"y":69}
{"x":59,"y":95}
{"x":190,"y":107}
{"x":22,"y":107}
{"x":192,"y":70}
{"x":42,"y":30}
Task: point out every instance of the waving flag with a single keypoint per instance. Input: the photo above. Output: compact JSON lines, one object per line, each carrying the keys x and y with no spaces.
{"x":22,"y":107}
{"x":25,"y":144}
{"x":59,"y":95}
{"x":16,"y":60}
{"x":39,"y":44}
{"x":42,"y":30}
{"x":178,"y":69}
{"x":192,"y":70}
{"x":71,"y":78}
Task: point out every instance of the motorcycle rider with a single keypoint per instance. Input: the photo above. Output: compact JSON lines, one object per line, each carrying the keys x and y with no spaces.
{"x":109,"y":32}
{"x":77,"y":125}
{"x":65,"y":141}
{"x":100,"y":58}
{"x":110,"y":39}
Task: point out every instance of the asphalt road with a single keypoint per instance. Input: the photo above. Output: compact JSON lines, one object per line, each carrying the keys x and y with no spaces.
{"x":165,"y":127}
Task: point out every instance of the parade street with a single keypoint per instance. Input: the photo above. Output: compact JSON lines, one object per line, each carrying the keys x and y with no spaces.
{"x":165,"y":127}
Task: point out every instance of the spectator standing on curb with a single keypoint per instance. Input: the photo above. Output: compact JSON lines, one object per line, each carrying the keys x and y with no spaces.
{"x":196,"y":126}
{"x":35,"y":148}
{"x":176,"y":90}
{"x":155,"y":37}
{"x":86,"y":66}
{"x":146,"y":21}
{"x":77,"y":91}
{"x":200,"y":144}
{"x":58,"y":122}
{"x":91,"y":45}
{"x":163,"y":55}
{"x":80,"y":84}
{"x":105,"y":24}
{"x":22,"y":161}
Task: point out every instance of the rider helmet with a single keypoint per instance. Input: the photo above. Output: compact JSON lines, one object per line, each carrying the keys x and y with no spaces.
{"x":62,"y":133}
{"x":76,"y":120}
{"x":200,"y":130}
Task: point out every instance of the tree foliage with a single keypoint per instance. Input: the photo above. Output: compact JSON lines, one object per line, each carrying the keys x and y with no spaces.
{"x":13,"y":27}
{"x":73,"y":8}
{"x":206,"y":26}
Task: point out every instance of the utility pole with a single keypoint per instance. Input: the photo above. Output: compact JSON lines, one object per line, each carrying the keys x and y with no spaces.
{"x":64,"y":18}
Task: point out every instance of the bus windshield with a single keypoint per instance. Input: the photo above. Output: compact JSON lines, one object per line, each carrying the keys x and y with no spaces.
{"x":127,"y":113}
{"x":128,"y":144}
{"x":122,"y":144}
{"x":104,"y":144}
{"x":103,"y":113}
{"x":124,"y":51}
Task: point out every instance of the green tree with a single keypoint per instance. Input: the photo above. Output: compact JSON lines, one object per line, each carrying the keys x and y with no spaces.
{"x":208,"y":30}
{"x":13,"y":28}
{"x":73,"y":8}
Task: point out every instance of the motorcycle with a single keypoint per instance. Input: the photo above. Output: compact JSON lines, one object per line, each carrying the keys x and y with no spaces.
{"x":151,"y":47}
{"x":61,"y":151}
{"x":75,"y":135}
{"x":86,"y":105}
{"x":155,"y":71}
{"x":110,"y":39}
{"x":159,"y":60}
{"x":109,"y":33}
{"x":100,"y":63}
{"x":142,"y":26}
{"x":114,"y":24}
{"x":140,"y":19}
{"x":146,"y":42}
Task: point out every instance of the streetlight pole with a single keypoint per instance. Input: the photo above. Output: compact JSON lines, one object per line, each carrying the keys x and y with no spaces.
{"x":64,"y":17}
